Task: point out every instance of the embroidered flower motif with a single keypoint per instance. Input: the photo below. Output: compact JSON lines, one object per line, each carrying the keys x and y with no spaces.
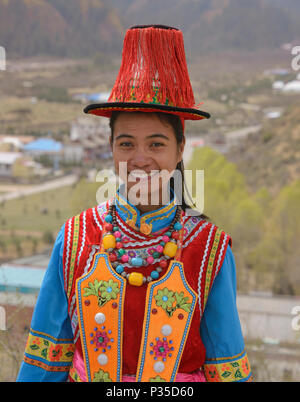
{"x":211,"y":373}
{"x":36,"y":341}
{"x":245,"y":365}
{"x":161,"y":349}
{"x":157,"y":379}
{"x":131,"y":253}
{"x":101,"y":339}
{"x":55,"y":353}
{"x":109,"y":289}
{"x":151,"y":250}
{"x":102,"y":376}
{"x":104,"y":290}
{"x":165,"y":298}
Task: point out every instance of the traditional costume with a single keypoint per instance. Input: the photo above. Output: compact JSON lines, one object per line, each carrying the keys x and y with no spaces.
{"x":140,"y":297}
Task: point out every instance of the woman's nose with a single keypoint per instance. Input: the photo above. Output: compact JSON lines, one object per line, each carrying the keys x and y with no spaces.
{"x":140,"y":160}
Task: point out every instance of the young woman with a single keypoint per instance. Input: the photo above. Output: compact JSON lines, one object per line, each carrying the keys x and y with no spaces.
{"x":137,"y":289}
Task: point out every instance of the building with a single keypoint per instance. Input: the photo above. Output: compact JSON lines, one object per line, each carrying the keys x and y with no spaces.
{"x":92,"y":135}
{"x":9,"y":143}
{"x":89,"y":127}
{"x":7,"y":161}
{"x":292,"y":86}
{"x":47,"y":149}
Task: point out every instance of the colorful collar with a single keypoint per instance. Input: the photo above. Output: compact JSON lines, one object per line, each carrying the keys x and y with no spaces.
{"x":148,"y":222}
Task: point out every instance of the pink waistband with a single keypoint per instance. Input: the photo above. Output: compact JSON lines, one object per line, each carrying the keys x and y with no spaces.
{"x":196,"y":376}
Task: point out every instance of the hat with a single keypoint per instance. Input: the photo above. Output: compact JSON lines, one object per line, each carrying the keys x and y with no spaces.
{"x":153,"y":76}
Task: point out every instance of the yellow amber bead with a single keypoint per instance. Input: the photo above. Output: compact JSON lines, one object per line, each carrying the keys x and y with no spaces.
{"x":135,"y":279}
{"x":109,"y":241}
{"x":170,"y":249}
{"x":145,"y":228}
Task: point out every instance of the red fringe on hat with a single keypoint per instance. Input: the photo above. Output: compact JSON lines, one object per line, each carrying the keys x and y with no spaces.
{"x":153,"y":61}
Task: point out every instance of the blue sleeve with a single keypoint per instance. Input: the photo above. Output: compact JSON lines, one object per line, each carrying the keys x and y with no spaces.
{"x":220,"y":329}
{"x":49,"y":350}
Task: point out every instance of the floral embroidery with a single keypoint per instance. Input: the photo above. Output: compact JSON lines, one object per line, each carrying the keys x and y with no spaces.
{"x":55,"y":353}
{"x":151,"y":250}
{"x":132,"y":253}
{"x":101,"y":338}
{"x":157,"y":379}
{"x":162,"y":348}
{"x":104,"y":290}
{"x":53,"y":350}
{"x":102,"y":376}
{"x":165,"y":298}
{"x":235,"y":370}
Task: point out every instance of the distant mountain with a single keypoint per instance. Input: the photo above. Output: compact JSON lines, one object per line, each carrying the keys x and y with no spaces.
{"x":59,"y":27}
{"x":218,"y":24}
{"x":78,"y":28}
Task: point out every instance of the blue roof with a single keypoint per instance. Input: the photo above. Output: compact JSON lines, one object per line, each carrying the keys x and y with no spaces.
{"x":43,"y":144}
{"x":22,"y":279}
{"x":98,"y":97}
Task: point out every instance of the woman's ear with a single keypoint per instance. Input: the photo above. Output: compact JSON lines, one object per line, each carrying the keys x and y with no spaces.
{"x":111,"y":142}
{"x":181,"y":150}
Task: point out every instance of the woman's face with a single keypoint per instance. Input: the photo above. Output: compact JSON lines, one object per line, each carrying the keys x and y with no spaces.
{"x":148,"y":146}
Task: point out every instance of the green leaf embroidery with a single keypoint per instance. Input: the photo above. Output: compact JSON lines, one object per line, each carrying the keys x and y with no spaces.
{"x":238,"y":374}
{"x":165,"y":298}
{"x":34,"y":347}
{"x":226,"y":374}
{"x":93,"y":288}
{"x":44,"y":353}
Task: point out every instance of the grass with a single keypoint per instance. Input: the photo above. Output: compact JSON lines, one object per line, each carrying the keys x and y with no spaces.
{"x":37,"y":212}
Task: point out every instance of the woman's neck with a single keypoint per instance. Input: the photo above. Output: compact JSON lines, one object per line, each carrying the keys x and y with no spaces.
{"x":147,"y":208}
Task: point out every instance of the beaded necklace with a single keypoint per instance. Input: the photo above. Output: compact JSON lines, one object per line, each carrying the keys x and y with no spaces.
{"x":113,"y":245}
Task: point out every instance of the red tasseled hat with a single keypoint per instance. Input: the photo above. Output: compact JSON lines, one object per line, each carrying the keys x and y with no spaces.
{"x":153,"y":76}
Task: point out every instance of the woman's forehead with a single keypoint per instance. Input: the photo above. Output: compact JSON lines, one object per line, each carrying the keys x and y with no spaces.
{"x":145,"y":122}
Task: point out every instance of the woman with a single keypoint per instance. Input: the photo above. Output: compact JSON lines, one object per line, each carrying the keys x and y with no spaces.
{"x":138,"y":290}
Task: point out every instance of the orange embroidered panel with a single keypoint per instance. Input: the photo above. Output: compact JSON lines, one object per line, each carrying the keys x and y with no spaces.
{"x":100,"y":297}
{"x":170,"y":304}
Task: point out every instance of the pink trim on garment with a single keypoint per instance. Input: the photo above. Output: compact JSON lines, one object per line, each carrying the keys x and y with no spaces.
{"x":78,"y":365}
{"x":196,"y":376}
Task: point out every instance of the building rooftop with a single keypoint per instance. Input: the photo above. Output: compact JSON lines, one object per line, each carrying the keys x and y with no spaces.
{"x":44,"y":145}
{"x":20,"y":279}
{"x":9,"y":158}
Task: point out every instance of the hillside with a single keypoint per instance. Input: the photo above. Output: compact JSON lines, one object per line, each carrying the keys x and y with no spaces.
{"x":79,"y":28}
{"x":72,"y":28}
{"x":219,"y":24}
{"x":271,"y":157}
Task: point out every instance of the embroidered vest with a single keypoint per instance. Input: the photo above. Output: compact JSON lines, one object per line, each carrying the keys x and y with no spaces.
{"x":151,"y":331}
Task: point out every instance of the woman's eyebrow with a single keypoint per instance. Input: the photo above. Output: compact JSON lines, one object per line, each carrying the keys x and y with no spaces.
{"x":149,"y":136}
{"x":158,"y":135}
{"x":124,"y":136}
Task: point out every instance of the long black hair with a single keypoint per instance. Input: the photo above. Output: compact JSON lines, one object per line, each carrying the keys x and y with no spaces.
{"x":175,"y":122}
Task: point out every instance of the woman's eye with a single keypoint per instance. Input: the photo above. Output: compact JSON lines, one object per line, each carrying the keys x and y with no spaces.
{"x":157,"y":144}
{"x":125,"y":144}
